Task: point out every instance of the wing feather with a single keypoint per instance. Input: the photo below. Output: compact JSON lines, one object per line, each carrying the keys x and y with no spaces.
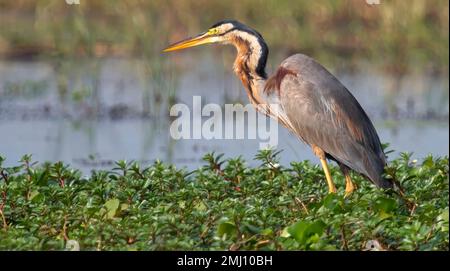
{"x":324,"y":113}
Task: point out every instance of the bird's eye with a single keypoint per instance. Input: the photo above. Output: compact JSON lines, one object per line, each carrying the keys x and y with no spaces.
{"x":213,"y":31}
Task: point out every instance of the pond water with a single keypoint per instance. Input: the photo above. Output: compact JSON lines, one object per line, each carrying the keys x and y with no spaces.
{"x":91,"y":113}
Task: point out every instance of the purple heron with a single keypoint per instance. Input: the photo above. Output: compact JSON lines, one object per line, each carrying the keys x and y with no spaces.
{"x":311,"y":103}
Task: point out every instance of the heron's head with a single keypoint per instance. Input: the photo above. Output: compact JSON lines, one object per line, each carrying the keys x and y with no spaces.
{"x":248,"y":42}
{"x":228,"y":31}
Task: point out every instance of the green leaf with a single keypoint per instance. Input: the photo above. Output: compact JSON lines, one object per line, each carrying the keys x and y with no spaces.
{"x":385,"y":205}
{"x":383,"y":215}
{"x":124,"y":206}
{"x":252,"y":229}
{"x":428,"y":162}
{"x":267,"y":232}
{"x":317,"y":227}
{"x":298,"y":231}
{"x":285,"y":232}
{"x":443,"y":216}
{"x":111,"y":206}
{"x":200,"y":206}
{"x":33,"y":194}
{"x":147,"y":184}
{"x":226,"y":228}
{"x":333,"y":202}
{"x":302,"y":231}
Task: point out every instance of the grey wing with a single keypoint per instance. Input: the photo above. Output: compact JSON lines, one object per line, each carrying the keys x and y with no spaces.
{"x":324,"y":113}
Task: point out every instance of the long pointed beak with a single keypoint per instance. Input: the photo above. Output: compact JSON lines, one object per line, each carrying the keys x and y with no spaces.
{"x":203,"y":38}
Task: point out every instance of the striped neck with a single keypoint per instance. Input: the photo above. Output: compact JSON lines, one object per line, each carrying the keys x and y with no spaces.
{"x":250,"y":61}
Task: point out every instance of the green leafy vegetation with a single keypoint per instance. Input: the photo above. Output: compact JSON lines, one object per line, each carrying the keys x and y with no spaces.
{"x":224,"y":205}
{"x":329,"y":30}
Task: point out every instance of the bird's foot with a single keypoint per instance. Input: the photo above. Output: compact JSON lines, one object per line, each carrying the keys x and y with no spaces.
{"x":349,"y":188}
{"x":348,"y":193}
{"x":332,"y":190}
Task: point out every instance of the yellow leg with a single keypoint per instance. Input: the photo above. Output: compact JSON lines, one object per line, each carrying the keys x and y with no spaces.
{"x":321,"y":154}
{"x":349,"y":186}
{"x":331,"y":187}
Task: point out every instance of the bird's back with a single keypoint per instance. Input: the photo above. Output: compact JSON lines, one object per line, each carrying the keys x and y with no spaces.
{"x":324,"y":113}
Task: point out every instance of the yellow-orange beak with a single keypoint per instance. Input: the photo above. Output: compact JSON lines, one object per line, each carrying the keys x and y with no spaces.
{"x":203,"y":38}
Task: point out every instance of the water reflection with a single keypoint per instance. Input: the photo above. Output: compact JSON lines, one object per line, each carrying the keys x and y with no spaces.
{"x":90,"y":113}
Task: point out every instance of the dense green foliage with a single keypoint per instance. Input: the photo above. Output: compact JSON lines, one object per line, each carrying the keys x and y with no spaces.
{"x":224,"y":205}
{"x":329,"y":30}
